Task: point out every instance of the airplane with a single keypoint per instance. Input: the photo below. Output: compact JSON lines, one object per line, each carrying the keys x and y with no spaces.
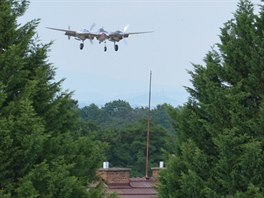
{"x":79,"y":35}
{"x":101,"y":35}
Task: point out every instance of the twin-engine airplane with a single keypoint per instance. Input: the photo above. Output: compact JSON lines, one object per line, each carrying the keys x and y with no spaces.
{"x":101,"y":35}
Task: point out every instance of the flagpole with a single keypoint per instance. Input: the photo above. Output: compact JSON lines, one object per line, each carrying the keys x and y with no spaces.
{"x":148,"y":129}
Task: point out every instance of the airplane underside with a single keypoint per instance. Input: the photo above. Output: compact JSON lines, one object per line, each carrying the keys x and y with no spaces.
{"x":102,"y":35}
{"x":105,"y":47}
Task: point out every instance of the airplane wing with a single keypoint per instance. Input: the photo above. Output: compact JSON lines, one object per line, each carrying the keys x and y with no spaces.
{"x":67,"y":32}
{"x":118,"y":35}
{"x":79,"y":35}
{"x":131,"y":33}
{"x":60,"y":29}
{"x":128,"y":33}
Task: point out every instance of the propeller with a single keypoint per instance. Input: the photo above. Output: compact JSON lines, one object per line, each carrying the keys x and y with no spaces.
{"x":124,"y":32}
{"x":92,"y":27}
{"x":126,"y":28}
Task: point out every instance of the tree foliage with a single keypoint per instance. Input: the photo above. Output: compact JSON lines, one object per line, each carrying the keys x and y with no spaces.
{"x":118,"y":114}
{"x":42,"y":153}
{"x":123,"y":129}
{"x":219,"y":148}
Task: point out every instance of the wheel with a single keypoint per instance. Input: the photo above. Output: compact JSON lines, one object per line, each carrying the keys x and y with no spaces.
{"x":116,"y":47}
{"x":105,"y":48}
{"x":81,"y":46}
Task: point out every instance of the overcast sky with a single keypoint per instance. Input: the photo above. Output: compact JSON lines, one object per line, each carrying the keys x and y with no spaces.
{"x":184,"y":32}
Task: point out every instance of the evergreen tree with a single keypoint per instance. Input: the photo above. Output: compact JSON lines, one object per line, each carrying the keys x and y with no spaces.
{"x":219,"y":150}
{"x":42,"y":153}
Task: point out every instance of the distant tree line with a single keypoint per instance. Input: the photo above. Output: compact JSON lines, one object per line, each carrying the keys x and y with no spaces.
{"x":118,"y":114}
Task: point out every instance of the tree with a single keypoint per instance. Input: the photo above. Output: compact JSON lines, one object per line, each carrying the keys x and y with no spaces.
{"x":118,"y":108}
{"x":160,"y":115}
{"x":219,"y":148}
{"x":42,"y":152}
{"x":91,"y":113}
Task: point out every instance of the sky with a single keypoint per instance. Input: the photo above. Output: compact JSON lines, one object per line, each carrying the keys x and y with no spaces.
{"x":184,"y":32}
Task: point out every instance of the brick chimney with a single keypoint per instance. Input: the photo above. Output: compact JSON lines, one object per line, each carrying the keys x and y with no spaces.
{"x":114,"y":175}
{"x":156,"y":170}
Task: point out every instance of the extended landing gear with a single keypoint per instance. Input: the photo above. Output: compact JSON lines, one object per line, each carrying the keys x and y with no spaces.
{"x":116,"y":47}
{"x":81,"y":46}
{"x":105,"y":48}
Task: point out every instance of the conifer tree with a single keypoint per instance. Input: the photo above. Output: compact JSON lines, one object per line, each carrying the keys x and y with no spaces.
{"x":219,"y":152}
{"x":42,"y":153}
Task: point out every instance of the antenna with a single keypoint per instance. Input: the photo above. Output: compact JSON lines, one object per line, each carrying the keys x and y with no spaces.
{"x":148,"y":130}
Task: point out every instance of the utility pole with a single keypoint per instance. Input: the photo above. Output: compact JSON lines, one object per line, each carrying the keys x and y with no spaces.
{"x":148,"y":130}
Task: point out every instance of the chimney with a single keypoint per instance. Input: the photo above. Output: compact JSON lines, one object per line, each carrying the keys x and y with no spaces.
{"x":156,"y":170}
{"x":105,"y":165}
{"x":114,"y":175}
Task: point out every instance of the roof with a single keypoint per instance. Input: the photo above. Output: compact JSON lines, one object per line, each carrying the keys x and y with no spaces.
{"x":136,"y":188}
{"x":115,"y":169}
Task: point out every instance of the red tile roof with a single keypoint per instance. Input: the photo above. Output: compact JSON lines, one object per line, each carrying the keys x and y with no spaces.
{"x":137,"y":188}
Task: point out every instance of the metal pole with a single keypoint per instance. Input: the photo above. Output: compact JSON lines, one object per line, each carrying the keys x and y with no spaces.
{"x":148,"y":130}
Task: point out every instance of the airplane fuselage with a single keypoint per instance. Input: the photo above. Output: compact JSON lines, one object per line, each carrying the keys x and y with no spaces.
{"x":102,"y":37}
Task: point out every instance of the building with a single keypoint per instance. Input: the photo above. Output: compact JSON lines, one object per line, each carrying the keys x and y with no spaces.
{"x":118,"y":181}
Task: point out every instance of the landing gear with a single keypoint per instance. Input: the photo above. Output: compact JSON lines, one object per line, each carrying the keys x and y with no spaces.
{"x":105,"y":48}
{"x":81,"y":46}
{"x":116,"y":47}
